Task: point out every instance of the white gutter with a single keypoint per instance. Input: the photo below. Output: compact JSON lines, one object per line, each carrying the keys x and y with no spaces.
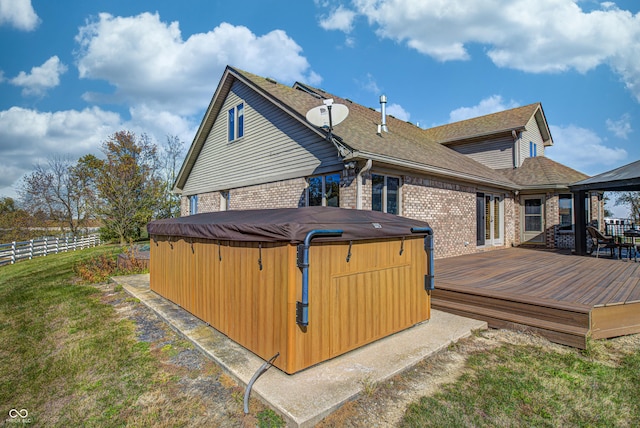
{"x":366,"y":168}
{"x":443,"y":172}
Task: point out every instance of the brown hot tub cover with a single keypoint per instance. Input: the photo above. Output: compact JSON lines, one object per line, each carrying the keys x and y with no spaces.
{"x":286,"y":224}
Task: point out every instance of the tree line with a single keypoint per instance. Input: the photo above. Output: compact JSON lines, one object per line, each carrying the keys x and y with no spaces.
{"x":120,"y":193}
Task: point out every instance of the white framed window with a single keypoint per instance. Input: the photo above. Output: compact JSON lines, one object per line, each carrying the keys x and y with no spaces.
{"x":323,"y":190}
{"x":533,"y":149}
{"x":193,"y":204}
{"x":235,"y":122}
{"x":385,"y":193}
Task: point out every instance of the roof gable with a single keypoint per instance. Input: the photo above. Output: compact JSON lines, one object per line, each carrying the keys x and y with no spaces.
{"x":503,"y":122}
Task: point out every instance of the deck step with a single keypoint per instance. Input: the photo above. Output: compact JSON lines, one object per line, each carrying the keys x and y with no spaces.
{"x":559,"y":331}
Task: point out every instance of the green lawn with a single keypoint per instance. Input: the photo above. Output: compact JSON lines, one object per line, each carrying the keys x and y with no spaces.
{"x":71,"y":358}
{"x":519,"y":385}
{"x":64,"y":355}
{"x":72,"y":355}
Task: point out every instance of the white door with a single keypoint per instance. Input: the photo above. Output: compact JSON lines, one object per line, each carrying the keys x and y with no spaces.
{"x":533,"y":220}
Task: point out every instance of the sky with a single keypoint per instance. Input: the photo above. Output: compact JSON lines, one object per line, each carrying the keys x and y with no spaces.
{"x":74,"y":72}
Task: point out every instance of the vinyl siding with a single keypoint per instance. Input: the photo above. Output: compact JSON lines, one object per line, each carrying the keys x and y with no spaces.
{"x":531,"y":133}
{"x":274,"y":147}
{"x":496,"y":153}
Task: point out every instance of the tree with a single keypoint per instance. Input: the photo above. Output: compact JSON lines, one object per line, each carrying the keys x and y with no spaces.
{"x":56,"y":190}
{"x":14,"y":222}
{"x":172,"y":153}
{"x":129,"y":184}
{"x":632,"y":201}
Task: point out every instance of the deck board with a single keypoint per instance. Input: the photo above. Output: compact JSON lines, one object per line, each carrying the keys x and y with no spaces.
{"x":544,"y":290}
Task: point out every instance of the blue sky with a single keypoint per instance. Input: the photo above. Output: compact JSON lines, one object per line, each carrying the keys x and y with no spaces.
{"x":74,"y":72}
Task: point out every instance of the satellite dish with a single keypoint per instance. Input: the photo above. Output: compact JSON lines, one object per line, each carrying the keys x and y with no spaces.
{"x":327,"y":116}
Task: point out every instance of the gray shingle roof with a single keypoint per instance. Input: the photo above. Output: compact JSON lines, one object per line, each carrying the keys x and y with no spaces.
{"x":504,"y":121}
{"x":405,"y":144}
{"x":540,"y":172}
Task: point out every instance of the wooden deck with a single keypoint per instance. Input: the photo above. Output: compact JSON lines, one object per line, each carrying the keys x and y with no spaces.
{"x":563,"y":297}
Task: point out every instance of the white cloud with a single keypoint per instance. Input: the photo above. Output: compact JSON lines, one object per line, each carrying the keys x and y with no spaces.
{"x":582,"y":149}
{"x":339,"y":19}
{"x":539,"y":36}
{"x":19,"y":14}
{"x":369,"y":84}
{"x":41,"y":78}
{"x":30,"y":136}
{"x":492,"y":104}
{"x":149,"y":63}
{"x":398,"y":112}
{"x":159,"y":124}
{"x":620,"y":128}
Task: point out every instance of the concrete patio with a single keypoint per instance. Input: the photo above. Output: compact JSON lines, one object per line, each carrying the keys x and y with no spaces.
{"x":307,"y":397}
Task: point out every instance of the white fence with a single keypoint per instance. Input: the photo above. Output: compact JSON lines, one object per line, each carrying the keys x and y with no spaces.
{"x":26,"y":250}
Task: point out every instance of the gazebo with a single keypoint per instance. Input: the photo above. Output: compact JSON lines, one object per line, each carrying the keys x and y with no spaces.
{"x":623,"y":179}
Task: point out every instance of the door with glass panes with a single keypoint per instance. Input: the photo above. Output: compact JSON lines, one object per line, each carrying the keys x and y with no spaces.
{"x":489,"y":219}
{"x":532,"y":220}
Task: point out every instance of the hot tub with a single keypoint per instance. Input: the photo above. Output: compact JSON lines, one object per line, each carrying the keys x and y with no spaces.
{"x":307,"y":283}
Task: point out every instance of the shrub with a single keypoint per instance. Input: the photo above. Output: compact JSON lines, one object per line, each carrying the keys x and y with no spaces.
{"x":96,"y":269}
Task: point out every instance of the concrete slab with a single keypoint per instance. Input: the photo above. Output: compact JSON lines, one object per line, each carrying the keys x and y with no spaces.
{"x":307,"y":397}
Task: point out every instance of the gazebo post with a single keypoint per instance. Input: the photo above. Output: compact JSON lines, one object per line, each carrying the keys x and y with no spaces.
{"x":580,"y":222}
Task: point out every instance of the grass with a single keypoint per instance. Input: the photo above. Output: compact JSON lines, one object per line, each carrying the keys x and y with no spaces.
{"x":55,"y":347}
{"x":70,"y":358}
{"x":527,"y":385}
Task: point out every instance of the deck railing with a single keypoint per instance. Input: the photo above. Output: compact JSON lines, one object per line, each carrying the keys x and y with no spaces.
{"x":15,"y":251}
{"x":617,"y":227}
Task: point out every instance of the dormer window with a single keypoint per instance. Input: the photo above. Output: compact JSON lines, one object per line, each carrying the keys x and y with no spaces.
{"x":235,"y":122}
{"x":533,"y":149}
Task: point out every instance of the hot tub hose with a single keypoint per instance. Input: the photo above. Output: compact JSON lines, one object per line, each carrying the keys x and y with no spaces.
{"x":263,"y":368}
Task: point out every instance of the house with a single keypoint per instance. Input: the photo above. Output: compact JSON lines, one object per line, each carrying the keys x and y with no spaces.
{"x":482,"y":183}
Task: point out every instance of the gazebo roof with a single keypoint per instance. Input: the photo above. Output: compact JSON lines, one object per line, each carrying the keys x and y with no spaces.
{"x":625,"y":178}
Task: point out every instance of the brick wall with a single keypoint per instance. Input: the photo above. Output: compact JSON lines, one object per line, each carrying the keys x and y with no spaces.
{"x":280,"y":194}
{"x":184,"y":206}
{"x":552,"y":218}
{"x":348,"y":189}
{"x":449,"y":208}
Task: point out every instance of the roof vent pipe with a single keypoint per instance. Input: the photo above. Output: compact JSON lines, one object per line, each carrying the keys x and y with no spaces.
{"x":383,"y":111}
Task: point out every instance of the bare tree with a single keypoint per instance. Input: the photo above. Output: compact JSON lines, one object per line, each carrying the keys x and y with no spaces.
{"x":631,"y":200}
{"x":59,"y":192}
{"x":172,"y":153}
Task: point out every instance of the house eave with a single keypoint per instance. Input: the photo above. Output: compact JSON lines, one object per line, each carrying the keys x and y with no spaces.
{"x":432,"y":170}
{"x":483,"y":135}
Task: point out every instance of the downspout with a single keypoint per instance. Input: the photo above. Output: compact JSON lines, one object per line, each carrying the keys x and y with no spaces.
{"x":429,"y":282}
{"x":302,"y":307}
{"x":366,"y":168}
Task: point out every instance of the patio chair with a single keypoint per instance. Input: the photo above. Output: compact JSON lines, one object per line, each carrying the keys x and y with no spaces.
{"x":599,"y":240}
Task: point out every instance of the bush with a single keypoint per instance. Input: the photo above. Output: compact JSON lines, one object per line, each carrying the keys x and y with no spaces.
{"x":96,"y":269}
{"x":99,"y":268}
